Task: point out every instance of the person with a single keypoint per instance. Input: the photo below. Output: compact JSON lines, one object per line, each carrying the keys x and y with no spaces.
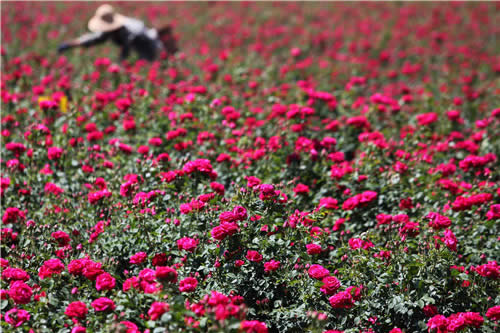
{"x":126,"y":32}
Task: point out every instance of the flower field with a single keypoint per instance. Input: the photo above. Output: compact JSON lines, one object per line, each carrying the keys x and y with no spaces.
{"x":295,"y":167}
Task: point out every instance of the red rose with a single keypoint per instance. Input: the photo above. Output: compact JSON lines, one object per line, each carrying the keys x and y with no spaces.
{"x":438,"y":221}
{"x":473,"y":319}
{"x":430,"y":310}
{"x":427,"y":118}
{"x":328,"y":203}
{"x":160,"y":259}
{"x":367,"y":196}
{"x":301,"y":189}
{"x":217,"y":187}
{"x":384,"y":219}
{"x":218,"y":233}
{"x":76,"y":309}
{"x":149,"y":287}
{"x":400,"y":167}
{"x":230,"y":227}
{"x":490,"y":270}
{"x":252,"y":181}
{"x":167,"y":274}
{"x":147,"y":275}
{"x":61,"y":238}
{"x":13,"y":215}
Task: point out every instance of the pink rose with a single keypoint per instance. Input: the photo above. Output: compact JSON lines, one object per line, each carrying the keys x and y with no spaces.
{"x":318,"y":272}
{"x":438,"y":323}
{"x":271,"y":265}
{"x":75,"y":267}
{"x":131,"y":327}
{"x":253,"y":326}
{"x":92,"y":270}
{"x":218,"y":233}
{"x":351,"y":203}
{"x":105,"y":282}
{"x":167,"y":274}
{"x":54,"y":153}
{"x":254,"y":256}
{"x":328,"y":203}
{"x":330,"y":285}
{"x":227,"y":217}
{"x":20,"y":292}
{"x":157,"y":309}
{"x":138,"y":258}
{"x":188,"y":244}
{"x":147,"y":275}
{"x":13,"y":274}
{"x":313,"y":249}
{"x":188,"y":284}
{"x":493,"y":313}
{"x":50,"y":267}
{"x":342,"y":300}
{"x":61,"y":238}
{"x":17,"y":317}
{"x":240,"y":213}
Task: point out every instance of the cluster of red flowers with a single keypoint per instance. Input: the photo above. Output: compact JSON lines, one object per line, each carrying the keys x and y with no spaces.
{"x":455,"y":322}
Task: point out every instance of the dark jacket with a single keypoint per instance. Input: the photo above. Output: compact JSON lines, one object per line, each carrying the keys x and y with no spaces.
{"x":133,"y":35}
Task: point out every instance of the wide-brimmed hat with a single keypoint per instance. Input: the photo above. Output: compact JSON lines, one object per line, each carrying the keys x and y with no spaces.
{"x":105,"y":19}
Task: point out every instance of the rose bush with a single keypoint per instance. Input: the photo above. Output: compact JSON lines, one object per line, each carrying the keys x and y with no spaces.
{"x":295,"y":168}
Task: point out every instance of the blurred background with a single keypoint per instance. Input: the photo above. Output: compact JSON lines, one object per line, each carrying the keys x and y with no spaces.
{"x":335,"y":30}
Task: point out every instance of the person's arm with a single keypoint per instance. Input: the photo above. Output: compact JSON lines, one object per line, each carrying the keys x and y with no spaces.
{"x":91,"y":39}
{"x":87,"y":40}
